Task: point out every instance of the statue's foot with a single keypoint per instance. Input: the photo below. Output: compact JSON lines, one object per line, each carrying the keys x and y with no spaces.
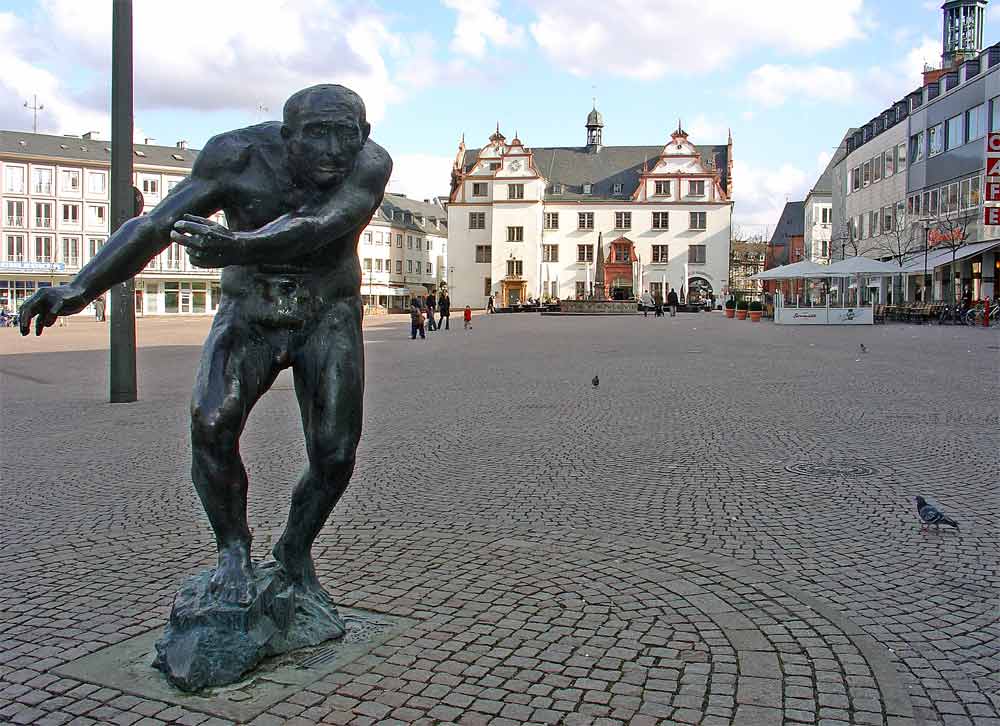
{"x":232,"y":580}
{"x":299,"y":567}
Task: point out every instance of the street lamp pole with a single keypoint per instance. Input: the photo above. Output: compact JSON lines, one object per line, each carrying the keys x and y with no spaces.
{"x":926,"y":223}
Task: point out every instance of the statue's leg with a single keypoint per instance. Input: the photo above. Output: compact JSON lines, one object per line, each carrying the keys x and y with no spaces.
{"x":329,"y":383}
{"x":237,"y":367}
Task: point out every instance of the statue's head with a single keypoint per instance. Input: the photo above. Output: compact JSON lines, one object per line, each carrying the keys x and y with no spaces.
{"x":324,"y":129}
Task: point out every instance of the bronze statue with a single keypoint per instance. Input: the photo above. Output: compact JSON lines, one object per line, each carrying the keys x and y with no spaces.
{"x":296,"y":196}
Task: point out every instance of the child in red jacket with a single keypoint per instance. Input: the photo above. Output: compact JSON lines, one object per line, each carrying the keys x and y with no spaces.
{"x":467,"y":316}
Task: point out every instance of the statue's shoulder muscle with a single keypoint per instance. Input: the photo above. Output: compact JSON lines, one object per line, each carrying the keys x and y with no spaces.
{"x":229,"y":153}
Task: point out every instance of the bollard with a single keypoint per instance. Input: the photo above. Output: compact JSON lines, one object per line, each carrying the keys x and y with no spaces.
{"x":986,"y":314}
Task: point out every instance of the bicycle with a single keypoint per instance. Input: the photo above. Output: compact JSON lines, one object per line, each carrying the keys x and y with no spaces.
{"x":974,"y":316}
{"x":951,"y":314}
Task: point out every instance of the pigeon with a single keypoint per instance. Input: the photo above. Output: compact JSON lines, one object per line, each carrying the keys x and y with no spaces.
{"x":862,"y":348}
{"x":596,"y":381}
{"x":929,"y":514}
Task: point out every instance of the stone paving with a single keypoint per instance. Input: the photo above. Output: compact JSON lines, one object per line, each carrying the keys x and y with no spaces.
{"x":721,"y":533}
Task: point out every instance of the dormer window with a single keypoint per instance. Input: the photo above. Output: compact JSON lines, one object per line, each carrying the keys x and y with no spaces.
{"x":588,"y":188}
{"x":494,"y":165}
{"x":616,"y":189}
{"x":557,"y":188}
{"x":661,"y":188}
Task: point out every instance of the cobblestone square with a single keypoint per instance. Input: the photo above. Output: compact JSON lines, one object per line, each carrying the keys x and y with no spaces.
{"x":723,"y":532}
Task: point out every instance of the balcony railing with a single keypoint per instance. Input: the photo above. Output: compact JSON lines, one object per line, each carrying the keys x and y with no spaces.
{"x":17,"y":221}
{"x":43,"y":222}
{"x":172,"y":265}
{"x":43,"y":189}
{"x":72,"y":261}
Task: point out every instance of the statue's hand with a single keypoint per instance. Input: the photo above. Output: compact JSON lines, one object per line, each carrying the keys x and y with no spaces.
{"x":48,"y":304}
{"x":208,"y":244}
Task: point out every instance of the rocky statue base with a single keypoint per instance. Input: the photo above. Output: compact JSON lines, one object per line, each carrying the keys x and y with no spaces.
{"x":209,"y":643}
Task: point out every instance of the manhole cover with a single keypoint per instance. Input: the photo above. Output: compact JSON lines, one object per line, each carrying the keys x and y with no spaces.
{"x":831,"y":471}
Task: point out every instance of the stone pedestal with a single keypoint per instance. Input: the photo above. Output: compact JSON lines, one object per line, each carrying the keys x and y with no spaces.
{"x":208,"y":642}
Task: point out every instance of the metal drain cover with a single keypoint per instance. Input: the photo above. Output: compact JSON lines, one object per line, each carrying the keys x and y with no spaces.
{"x":831,"y":471}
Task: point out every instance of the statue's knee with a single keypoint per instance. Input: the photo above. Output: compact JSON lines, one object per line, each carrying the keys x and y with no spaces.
{"x":212,"y":429}
{"x":335,"y":464}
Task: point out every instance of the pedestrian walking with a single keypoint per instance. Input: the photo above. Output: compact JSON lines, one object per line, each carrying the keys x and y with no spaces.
{"x":431,"y":325}
{"x":416,"y":320}
{"x":467,"y":317}
{"x":444,"y":310}
{"x":672,"y":302}
{"x":489,"y":306}
{"x":658,"y":302}
{"x":647,"y":302}
{"x":99,"y":309}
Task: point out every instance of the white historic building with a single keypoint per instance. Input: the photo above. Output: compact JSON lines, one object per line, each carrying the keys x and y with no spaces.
{"x":55,"y":215}
{"x":524,"y":222}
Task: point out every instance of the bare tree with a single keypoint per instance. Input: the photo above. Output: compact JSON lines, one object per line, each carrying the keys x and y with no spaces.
{"x":950,"y":231}
{"x":746,"y":258}
{"x":899,"y":240}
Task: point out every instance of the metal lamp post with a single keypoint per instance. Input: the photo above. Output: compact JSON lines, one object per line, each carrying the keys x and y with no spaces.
{"x":926,"y":223}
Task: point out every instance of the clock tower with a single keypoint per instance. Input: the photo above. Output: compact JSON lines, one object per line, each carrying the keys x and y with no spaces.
{"x":595,"y":128}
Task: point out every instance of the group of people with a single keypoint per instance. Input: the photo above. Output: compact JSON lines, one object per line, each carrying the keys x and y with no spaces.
{"x":655,"y":303}
{"x":422,"y":311}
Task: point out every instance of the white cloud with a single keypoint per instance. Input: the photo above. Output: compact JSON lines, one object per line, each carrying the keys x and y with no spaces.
{"x":761,"y":193}
{"x":645,"y":39}
{"x":891,"y":82}
{"x":772,"y":85}
{"x":420,"y":176}
{"x":822,"y":159}
{"x":704,"y":130}
{"x":479,"y":24}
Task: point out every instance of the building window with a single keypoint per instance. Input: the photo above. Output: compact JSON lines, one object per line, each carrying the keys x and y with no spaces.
{"x":69,"y":180}
{"x":515,"y":234}
{"x":866,"y":173}
{"x":588,"y":188}
{"x":43,"y":249}
{"x":15,"y":248}
{"x":552,"y":220}
{"x":399,"y":241}
{"x":97,"y":182}
{"x":622,"y":254}
{"x":825,"y":215}
{"x":661,"y":188}
{"x":935,"y":140}
{"x":661,"y":220}
{"x":14,"y":179}
{"x":487,"y":286}
{"x":430,"y":269}
{"x":417,"y":263}
{"x":581,"y":290}
{"x":150,"y":186}
{"x":550,"y":253}
{"x":94,"y":245}
{"x":41,"y":181}
{"x":975,"y":198}
{"x":975,"y":122}
{"x":855,"y":178}
{"x":43,"y":215}
{"x":367,"y":237}
{"x":494,"y":165}
{"x":876,"y":169}
{"x":913,"y":205}
{"x":586,"y":220}
{"x":616,"y":188}
{"x":917,"y":147}
{"x":623,"y":220}
{"x":479,"y":189}
{"x":584,"y":253}
{"x":696,"y":188}
{"x":399,"y":267}
{"x":888,"y":162}
{"x":557,"y":188}
{"x":887,"y":219}
{"x":378,"y":264}
{"x":515,"y":268}
{"x":824,"y":248}
{"x":660,"y":253}
{"x":515,"y":191}
{"x":409,"y":265}
{"x":477,"y":220}
{"x":900,"y":157}
{"x":368,"y":264}
{"x":954,"y":133}
{"x":71,"y":213}
{"x":14,"y":216}
{"x":698,"y":220}
{"x":96,"y":214}
{"x":484,"y":253}
{"x":696,"y":253}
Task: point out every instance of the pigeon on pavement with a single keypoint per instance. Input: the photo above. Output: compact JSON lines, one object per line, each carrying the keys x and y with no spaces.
{"x":596,"y":381}
{"x":862,"y":348}
{"x":929,"y":514}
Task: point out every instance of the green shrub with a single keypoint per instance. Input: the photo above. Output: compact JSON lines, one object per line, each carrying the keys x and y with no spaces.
{"x":730,"y":304}
{"x":741,"y":305}
{"x":755,"y":306}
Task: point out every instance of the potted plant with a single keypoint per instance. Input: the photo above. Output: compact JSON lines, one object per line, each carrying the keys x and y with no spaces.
{"x":755,"y":309}
{"x":730,"y":308}
{"x":741,"y":310}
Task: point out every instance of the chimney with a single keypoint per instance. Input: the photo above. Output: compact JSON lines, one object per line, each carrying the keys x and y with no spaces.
{"x":91,"y":135}
{"x":182,"y":144}
{"x":148,"y":140}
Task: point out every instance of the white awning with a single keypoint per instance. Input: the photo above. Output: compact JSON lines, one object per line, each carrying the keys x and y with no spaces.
{"x":862,"y":266}
{"x":796,"y":270}
{"x":935,"y":257}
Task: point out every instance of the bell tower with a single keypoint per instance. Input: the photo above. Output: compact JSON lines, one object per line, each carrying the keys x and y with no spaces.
{"x":595,"y":128}
{"x":964,"y":21}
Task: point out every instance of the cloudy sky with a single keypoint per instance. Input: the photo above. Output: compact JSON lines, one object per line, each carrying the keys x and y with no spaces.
{"x":787,"y":76}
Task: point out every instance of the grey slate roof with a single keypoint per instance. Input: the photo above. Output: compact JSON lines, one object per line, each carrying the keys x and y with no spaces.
{"x":824,"y":185}
{"x":792,"y":223}
{"x":92,"y":150}
{"x":574,"y":166}
{"x":394,"y":203}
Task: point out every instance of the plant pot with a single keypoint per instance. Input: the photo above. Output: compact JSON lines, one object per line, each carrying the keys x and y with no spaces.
{"x":755,"y":316}
{"x":730,"y":312}
{"x":741,"y":314}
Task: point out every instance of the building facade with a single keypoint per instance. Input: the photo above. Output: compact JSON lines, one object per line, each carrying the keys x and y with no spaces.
{"x":911,"y":186}
{"x":55,"y":216}
{"x":524,"y":222}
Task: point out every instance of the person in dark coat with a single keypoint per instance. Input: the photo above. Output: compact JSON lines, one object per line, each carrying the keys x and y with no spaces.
{"x":672,"y":302}
{"x":444,"y":310}
{"x":416,"y":319}
{"x":430,"y":304}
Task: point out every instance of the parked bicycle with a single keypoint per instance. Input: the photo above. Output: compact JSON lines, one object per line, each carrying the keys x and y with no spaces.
{"x":975,"y":315}
{"x":952,"y":314}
